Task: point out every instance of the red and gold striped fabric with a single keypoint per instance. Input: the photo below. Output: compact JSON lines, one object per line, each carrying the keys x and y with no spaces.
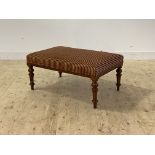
{"x":82,"y":62}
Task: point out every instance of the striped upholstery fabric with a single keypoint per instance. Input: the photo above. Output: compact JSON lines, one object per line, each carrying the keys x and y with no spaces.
{"x":82,"y":62}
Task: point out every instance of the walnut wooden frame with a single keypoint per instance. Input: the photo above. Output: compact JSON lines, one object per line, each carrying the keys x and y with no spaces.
{"x":94,"y":80}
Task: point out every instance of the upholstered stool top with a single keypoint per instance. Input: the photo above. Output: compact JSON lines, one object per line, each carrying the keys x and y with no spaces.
{"x":82,"y":62}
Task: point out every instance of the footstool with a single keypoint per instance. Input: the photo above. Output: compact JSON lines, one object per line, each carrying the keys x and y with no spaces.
{"x":81,"y":62}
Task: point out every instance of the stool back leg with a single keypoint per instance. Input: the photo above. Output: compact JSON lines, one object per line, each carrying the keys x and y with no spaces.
{"x":60,"y":74}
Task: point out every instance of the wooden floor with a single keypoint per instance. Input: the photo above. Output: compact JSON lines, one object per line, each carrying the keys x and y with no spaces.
{"x":63,"y":105}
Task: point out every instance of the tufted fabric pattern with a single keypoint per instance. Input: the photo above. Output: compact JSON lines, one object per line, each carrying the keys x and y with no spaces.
{"x":82,"y":62}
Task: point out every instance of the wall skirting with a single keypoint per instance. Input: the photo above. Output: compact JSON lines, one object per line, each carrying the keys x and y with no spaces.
{"x":12,"y":56}
{"x":139,"y":55}
{"x":127,"y":55}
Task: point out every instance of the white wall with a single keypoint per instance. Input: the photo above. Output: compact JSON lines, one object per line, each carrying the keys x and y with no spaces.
{"x":18,"y":37}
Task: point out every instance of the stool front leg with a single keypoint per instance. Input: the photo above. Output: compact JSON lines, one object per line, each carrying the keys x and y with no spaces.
{"x":94,"y":91}
{"x":31,"y":76}
{"x":118,"y":76}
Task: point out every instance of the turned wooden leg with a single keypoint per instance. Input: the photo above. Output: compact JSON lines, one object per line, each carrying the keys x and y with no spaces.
{"x":31,"y":75}
{"x":94,"y":90}
{"x":60,"y":74}
{"x":118,"y":75}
